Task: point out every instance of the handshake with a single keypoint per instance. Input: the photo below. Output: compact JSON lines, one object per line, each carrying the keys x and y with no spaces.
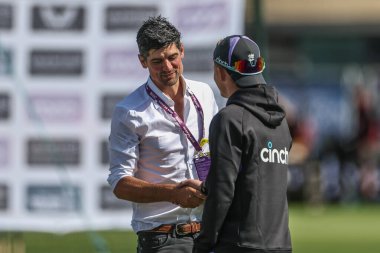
{"x":189,"y":193}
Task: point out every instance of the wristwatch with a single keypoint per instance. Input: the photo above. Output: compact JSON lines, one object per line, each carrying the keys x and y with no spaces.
{"x":203,"y":188}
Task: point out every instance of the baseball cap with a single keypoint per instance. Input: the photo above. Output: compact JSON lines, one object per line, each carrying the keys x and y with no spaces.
{"x":241,"y":57}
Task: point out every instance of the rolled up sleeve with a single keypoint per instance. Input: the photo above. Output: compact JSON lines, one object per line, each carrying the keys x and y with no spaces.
{"x":123,"y":147}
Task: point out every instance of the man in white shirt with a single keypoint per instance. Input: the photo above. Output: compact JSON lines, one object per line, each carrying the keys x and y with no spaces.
{"x":157,"y":134}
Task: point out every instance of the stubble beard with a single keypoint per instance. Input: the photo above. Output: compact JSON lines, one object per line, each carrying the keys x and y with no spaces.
{"x":170,"y":82}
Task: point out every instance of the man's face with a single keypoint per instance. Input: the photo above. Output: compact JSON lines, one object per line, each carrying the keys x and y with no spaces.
{"x":164,"y":65}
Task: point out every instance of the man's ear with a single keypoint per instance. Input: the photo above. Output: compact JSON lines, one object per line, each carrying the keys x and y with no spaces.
{"x":218,"y":71}
{"x":223,"y":73}
{"x":142,"y":61}
{"x":182,"y":50}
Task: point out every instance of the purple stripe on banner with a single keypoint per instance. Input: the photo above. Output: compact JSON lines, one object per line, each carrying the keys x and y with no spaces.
{"x":233,"y":42}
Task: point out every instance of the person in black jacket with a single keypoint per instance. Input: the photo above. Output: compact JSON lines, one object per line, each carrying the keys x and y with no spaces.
{"x":246,"y":209}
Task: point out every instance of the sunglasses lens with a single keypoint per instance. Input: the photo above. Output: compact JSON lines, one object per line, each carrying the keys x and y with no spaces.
{"x":245,"y":67}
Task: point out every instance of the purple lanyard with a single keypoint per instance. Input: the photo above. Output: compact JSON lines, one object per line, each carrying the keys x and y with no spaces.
{"x":180,"y":122}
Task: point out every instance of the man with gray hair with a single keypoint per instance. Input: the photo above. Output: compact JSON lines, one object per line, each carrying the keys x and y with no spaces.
{"x":156,"y":141}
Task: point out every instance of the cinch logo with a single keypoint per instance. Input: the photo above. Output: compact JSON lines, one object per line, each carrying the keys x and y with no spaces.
{"x":269,"y":155}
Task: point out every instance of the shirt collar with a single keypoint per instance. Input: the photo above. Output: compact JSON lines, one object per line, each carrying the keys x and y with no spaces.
{"x":162,"y":95}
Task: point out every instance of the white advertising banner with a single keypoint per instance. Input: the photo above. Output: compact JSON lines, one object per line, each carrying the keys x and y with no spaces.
{"x":63,"y":66}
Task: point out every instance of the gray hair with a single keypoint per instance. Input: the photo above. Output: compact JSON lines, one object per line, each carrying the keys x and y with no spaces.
{"x":157,"y":32}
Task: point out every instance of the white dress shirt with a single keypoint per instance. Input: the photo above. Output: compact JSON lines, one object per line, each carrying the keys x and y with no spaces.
{"x":147,"y":143}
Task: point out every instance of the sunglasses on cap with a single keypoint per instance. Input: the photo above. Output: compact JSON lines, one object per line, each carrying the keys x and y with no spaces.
{"x":244,"y":67}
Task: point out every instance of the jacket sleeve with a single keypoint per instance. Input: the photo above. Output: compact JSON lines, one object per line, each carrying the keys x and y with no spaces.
{"x":225,"y":147}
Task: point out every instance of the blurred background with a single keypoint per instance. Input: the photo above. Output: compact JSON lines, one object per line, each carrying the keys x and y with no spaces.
{"x":64,"y":65}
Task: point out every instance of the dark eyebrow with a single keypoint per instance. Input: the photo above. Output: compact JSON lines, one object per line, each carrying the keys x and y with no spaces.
{"x":175,"y":54}
{"x":160,"y":59}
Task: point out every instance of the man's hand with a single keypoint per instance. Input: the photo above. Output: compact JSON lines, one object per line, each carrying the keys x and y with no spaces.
{"x":196,"y":184}
{"x":188,"y":194}
{"x":140,"y":191}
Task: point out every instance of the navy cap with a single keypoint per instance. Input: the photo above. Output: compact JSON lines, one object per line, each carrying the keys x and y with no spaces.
{"x":241,"y":57}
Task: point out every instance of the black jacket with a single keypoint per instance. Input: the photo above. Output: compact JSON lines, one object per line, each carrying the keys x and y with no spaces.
{"x":246,"y":205}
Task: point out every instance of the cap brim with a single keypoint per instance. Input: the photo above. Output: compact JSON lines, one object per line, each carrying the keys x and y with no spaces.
{"x":249,"y":81}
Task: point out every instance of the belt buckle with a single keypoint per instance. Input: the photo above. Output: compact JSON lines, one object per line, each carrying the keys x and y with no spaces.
{"x":177,"y":229}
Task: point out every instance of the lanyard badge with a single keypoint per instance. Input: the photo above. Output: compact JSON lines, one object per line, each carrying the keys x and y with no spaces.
{"x":202,"y":160}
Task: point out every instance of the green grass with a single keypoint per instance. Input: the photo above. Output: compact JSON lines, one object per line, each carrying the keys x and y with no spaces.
{"x":335,"y":229}
{"x":82,"y":242}
{"x":332,"y":229}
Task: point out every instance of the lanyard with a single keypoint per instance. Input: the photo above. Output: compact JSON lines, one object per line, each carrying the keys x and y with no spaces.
{"x":180,"y":122}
